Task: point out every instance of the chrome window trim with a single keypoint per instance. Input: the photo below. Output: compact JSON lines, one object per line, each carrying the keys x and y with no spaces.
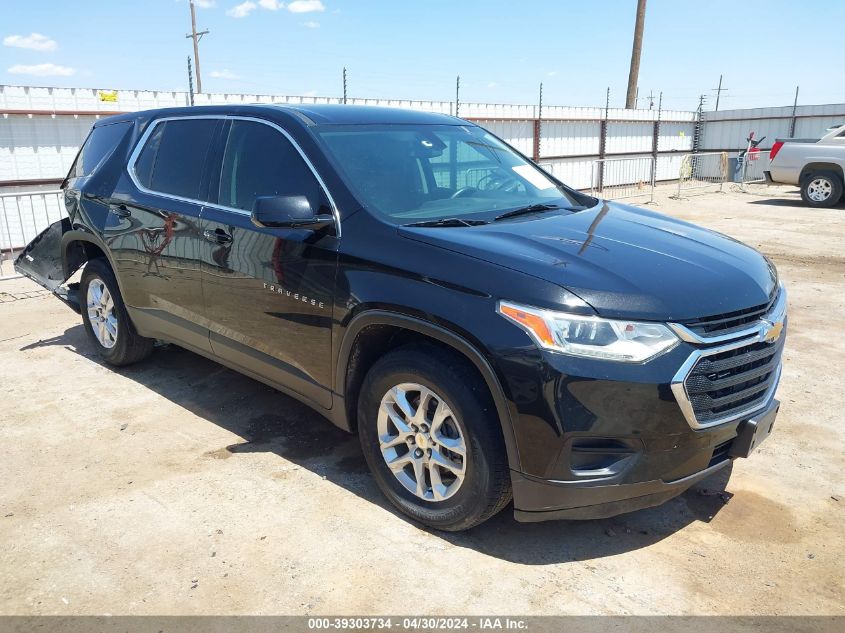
{"x":682,"y":397}
{"x":133,"y":158}
{"x":777,"y":313}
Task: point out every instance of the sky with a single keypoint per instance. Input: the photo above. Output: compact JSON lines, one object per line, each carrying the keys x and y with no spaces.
{"x":415,"y":49}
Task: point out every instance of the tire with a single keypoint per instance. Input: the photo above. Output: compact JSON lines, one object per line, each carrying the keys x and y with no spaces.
{"x":473,"y":425}
{"x":112,"y":333}
{"x":821,"y":189}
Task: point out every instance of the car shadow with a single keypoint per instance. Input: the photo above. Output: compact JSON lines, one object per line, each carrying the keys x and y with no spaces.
{"x":791,"y":202}
{"x":271,"y":422}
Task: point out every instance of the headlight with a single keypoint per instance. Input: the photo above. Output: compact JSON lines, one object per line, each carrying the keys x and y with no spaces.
{"x":591,"y":336}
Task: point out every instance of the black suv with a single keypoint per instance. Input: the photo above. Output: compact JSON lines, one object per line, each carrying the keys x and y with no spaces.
{"x":488,"y":332}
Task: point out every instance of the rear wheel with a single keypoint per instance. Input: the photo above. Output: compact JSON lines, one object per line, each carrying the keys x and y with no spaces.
{"x":821,"y":189}
{"x":432,"y":439}
{"x":105,"y":319}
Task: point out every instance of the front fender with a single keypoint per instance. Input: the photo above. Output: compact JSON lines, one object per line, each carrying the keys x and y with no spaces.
{"x":445,"y":336}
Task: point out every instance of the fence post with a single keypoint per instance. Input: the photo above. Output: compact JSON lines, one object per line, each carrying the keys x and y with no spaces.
{"x":699,"y":126}
{"x":603,"y":140}
{"x":655,"y":143}
{"x":538,"y":127}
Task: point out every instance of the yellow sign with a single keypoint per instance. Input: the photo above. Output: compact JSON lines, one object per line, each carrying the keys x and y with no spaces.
{"x":107,"y":96}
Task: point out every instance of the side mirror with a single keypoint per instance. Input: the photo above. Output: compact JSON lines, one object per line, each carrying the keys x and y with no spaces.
{"x":289,"y":212}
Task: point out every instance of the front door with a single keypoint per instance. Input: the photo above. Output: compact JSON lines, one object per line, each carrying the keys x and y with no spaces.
{"x":268,"y":292}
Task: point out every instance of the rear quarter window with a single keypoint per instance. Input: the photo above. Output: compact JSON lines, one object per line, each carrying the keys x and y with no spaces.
{"x":99,"y":145}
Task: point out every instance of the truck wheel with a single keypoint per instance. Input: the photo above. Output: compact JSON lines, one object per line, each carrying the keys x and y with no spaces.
{"x":431,"y":437}
{"x":105,"y":319}
{"x":821,"y":189}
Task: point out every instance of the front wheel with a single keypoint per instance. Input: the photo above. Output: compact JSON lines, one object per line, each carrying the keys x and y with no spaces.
{"x":105,"y":318}
{"x":821,"y":189}
{"x":432,"y":439}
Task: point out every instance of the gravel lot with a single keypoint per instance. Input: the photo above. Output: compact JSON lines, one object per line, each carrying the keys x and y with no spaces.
{"x":180,"y":487}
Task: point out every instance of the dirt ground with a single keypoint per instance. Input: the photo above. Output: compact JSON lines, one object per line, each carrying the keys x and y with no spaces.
{"x":180,"y":487}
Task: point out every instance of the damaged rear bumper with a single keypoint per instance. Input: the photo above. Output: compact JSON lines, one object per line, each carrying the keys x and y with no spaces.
{"x":43,"y":261}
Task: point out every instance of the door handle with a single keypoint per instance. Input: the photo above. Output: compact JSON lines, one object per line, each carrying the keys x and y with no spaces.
{"x":218,"y":236}
{"x":120,"y":210}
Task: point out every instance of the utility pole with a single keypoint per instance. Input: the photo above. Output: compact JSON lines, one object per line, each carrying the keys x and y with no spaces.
{"x":194,"y":35}
{"x":794,"y":110}
{"x":458,"y":96}
{"x":636,"y":50}
{"x":344,"y":85}
{"x":718,"y":92}
{"x":190,"y":82}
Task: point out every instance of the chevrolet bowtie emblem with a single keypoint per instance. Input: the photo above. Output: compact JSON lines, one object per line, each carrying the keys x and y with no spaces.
{"x":770,"y":331}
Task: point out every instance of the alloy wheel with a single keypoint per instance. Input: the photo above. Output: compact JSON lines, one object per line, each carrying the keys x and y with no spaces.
{"x":421,"y":442}
{"x":819,"y":189}
{"x":101,"y":313}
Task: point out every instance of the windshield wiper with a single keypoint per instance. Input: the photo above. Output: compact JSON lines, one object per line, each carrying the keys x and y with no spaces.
{"x":447,"y":222}
{"x":535,"y":208}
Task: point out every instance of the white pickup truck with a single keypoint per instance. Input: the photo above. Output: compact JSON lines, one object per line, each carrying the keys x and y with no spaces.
{"x":817,"y":166}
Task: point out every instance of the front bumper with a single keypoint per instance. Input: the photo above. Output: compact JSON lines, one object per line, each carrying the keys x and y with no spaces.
{"x":555,"y":500}
{"x":543,"y":500}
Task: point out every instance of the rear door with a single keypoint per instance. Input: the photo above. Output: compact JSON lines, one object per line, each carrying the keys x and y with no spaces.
{"x":268,"y":292}
{"x":154,"y":232}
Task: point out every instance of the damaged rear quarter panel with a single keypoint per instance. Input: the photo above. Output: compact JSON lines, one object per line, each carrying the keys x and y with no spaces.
{"x":43,"y":261}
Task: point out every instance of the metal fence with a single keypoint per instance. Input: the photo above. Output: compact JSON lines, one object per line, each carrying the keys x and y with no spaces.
{"x":753,"y":166}
{"x":629,"y":177}
{"x":23,"y":215}
{"x":699,"y":171}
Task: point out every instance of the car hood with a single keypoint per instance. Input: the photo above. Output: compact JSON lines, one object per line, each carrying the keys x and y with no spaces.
{"x":622,"y":260}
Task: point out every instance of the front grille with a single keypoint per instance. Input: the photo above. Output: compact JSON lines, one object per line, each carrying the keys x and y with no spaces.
{"x":728,"y":322}
{"x":729,"y":382}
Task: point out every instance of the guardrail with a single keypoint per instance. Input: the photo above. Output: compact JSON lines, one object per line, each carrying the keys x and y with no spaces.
{"x":23,"y":215}
{"x":704,"y":170}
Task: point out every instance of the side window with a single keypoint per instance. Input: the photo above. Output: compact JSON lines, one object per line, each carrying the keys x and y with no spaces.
{"x":97,"y":147}
{"x":260,"y":161}
{"x":146,"y":159}
{"x":174,"y":156}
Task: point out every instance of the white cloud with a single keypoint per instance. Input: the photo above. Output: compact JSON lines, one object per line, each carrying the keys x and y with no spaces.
{"x":271,"y":5}
{"x":310,"y":93}
{"x":224,"y":74}
{"x":306,"y":6}
{"x":311,"y":24}
{"x":552,"y":73}
{"x":34,"y":41}
{"x":204,"y":4}
{"x":42,"y":70}
{"x":492,"y":84}
{"x":241,"y":10}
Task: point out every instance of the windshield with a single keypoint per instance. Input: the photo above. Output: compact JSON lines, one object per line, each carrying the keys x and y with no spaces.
{"x":412,"y":173}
